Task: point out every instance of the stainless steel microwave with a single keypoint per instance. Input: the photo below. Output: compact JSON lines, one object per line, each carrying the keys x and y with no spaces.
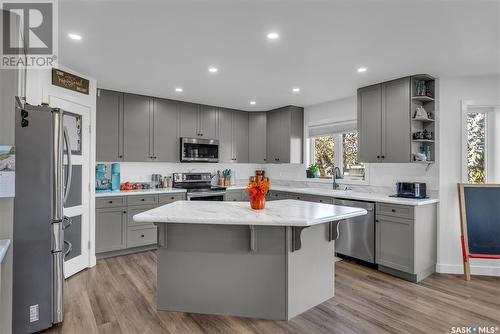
{"x":199,"y":150}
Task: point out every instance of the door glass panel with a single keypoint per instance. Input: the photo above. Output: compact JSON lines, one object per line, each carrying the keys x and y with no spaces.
{"x":73,"y":124}
{"x":75,"y":191}
{"x":73,"y":235}
{"x":476,"y":138}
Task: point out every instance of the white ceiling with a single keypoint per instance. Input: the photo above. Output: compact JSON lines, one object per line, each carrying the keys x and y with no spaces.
{"x":151,"y":47}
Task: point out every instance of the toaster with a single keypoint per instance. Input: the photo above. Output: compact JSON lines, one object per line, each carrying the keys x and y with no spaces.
{"x":411,"y":189}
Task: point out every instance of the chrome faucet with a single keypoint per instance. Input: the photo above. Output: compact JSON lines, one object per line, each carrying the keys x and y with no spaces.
{"x":336,"y":175}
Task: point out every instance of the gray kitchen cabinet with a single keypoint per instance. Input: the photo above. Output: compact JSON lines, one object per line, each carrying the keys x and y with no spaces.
{"x":137,"y":124}
{"x":225,"y":135}
{"x":198,"y":121}
{"x":207,"y":116}
{"x":405,"y":239}
{"x":370,"y":123}
{"x":233,"y":136}
{"x":165,"y":130}
{"x":239,"y":195}
{"x":394,"y":240}
{"x":188,"y":119}
{"x":116,"y":231}
{"x":396,"y":140}
{"x":384,"y":122}
{"x":109,"y":126}
{"x":285,"y":127}
{"x":257,"y":137}
{"x":111,"y":229}
{"x":240,"y":136}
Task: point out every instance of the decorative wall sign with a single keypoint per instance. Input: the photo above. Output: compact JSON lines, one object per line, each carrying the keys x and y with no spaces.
{"x":7,"y":171}
{"x":70,"y":81}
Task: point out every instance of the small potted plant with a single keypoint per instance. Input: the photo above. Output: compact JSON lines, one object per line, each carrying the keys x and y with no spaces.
{"x":257,"y":189}
{"x":312,"y":171}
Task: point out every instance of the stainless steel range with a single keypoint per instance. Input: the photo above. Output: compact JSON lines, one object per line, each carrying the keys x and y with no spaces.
{"x":199,"y":186}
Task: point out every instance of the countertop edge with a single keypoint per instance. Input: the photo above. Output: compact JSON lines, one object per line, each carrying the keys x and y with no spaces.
{"x":138,"y":192}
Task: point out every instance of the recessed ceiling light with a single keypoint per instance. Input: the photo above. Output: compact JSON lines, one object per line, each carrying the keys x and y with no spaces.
{"x":362,"y":69}
{"x":178,"y":89}
{"x":76,"y":37}
{"x":273,"y":35}
{"x":253,"y":102}
{"x":296,"y":89}
{"x":213,"y":69}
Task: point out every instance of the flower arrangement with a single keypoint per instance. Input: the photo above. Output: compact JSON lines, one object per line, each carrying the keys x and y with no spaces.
{"x":257,"y":189}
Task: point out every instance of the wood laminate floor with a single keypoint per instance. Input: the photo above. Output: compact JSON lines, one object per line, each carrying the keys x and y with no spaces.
{"x":118,"y":296}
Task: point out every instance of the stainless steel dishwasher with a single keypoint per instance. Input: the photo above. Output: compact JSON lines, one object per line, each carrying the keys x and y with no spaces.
{"x":357,"y":235}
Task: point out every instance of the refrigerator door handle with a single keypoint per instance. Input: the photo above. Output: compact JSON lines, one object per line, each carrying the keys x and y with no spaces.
{"x":70,"y":165}
{"x":67,"y":222}
{"x":70,"y":248}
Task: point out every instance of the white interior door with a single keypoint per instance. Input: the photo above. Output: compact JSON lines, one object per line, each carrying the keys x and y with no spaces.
{"x":76,"y":234}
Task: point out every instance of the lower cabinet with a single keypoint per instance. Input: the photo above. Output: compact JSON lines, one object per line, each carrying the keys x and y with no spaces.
{"x":405,"y":240}
{"x":116,"y":230}
{"x":394,"y":240}
{"x":111,"y":229}
{"x":236,"y":196}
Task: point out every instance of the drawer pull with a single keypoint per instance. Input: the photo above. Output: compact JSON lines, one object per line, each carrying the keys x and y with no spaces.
{"x":124,"y":212}
{"x":142,"y":235}
{"x":110,"y":202}
{"x":393,"y":210}
{"x":172,"y":197}
{"x":143,"y":199}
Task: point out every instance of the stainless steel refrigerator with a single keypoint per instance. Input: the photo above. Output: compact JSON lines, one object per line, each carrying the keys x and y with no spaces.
{"x":38,"y":240}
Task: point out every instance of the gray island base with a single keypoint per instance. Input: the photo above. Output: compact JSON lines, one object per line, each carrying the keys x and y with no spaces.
{"x":239,"y":264}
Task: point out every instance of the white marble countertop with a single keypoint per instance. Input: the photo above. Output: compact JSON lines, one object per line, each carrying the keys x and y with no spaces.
{"x":287,"y":212}
{"x":349,"y":194}
{"x":4,"y":246}
{"x":138,"y":192}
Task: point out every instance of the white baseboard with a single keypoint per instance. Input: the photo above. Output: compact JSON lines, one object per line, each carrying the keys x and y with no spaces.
{"x":474,"y":269}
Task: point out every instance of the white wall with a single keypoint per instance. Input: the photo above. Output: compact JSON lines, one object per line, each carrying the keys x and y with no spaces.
{"x":452,"y":92}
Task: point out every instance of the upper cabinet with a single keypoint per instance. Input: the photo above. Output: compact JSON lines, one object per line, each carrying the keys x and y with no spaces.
{"x":109,"y":126}
{"x":166,"y":142}
{"x":285,"y":134}
{"x":385,"y":122}
{"x":233,"y":136}
{"x":257,"y":137}
{"x":198,"y":120}
{"x":138,"y":120}
{"x":137,"y":128}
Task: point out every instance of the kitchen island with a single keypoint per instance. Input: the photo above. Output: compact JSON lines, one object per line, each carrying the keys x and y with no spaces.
{"x":225,"y":258}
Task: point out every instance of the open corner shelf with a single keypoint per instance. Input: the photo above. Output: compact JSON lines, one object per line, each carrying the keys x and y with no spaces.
{"x":422,"y":98}
{"x":423,"y":140}
{"x":430,"y":120}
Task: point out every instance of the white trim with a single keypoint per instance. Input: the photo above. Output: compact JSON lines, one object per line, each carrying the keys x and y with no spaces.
{"x":475,"y":269}
{"x":490,"y":107}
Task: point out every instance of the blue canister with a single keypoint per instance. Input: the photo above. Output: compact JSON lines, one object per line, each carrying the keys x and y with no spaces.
{"x":115,"y":176}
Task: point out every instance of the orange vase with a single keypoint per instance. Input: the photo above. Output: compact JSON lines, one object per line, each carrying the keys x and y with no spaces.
{"x":258,"y":203}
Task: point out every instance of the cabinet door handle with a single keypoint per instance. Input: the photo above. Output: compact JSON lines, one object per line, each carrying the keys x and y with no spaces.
{"x":124,"y":212}
{"x":142,"y":235}
{"x":120,"y":156}
{"x":143,"y":199}
{"x":376,"y":220}
{"x":378,"y":156}
{"x":383,"y":157}
{"x":110,"y":202}
{"x":393,"y":210}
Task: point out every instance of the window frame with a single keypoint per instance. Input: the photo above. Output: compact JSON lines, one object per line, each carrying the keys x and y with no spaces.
{"x":471,"y":107}
{"x":338,"y":160}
